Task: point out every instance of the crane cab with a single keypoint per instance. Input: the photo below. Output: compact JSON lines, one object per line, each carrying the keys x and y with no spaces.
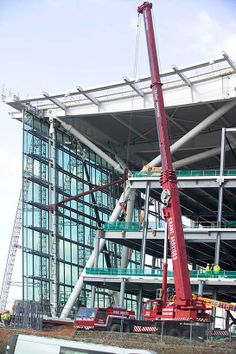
{"x":152,"y":310}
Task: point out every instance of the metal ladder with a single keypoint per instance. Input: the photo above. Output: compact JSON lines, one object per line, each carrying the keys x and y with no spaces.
{"x":11,"y":256}
{"x":14,"y":242}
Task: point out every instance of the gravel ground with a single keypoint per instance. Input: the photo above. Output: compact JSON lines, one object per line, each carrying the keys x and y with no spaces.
{"x":152,"y":342}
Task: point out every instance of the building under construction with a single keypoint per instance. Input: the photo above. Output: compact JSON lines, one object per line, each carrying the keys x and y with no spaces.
{"x":82,"y":239}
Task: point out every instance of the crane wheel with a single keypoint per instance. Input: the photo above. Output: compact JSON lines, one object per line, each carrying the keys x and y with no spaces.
{"x":115,"y":327}
{"x":175,"y":332}
{"x":127,"y":329}
{"x":186,"y":333}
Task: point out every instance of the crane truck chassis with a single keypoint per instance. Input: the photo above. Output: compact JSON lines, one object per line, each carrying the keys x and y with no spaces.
{"x":121,"y":320}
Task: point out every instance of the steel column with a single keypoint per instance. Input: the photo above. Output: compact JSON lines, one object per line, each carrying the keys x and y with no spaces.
{"x":52,"y":217}
{"x":139,"y":304}
{"x":213,"y":310}
{"x":122,"y":292}
{"x":198,"y":157}
{"x":220,"y":196}
{"x":200,"y":287}
{"x":96,"y":255}
{"x":128,"y":218}
{"x":145,"y":227}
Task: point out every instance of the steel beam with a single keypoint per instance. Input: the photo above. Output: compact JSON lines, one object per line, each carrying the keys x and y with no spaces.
{"x":196,"y":130}
{"x":87,"y":95}
{"x":134,"y":86}
{"x":129,"y":126}
{"x":56,"y":101}
{"x":182,"y":76}
{"x":229,"y":60}
{"x":198,"y":157}
{"x":91,"y":145}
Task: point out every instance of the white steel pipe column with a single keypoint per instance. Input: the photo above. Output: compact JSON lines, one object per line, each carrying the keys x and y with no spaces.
{"x":130,"y":209}
{"x":196,"y":130}
{"x":145,"y":226}
{"x":78,"y":286}
{"x":220,"y":196}
{"x":125,"y":250}
{"x":96,"y":255}
{"x":143,"y":250}
{"x":90,"y":145}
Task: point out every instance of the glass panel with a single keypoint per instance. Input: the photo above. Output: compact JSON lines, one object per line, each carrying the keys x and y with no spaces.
{"x":71,"y":225}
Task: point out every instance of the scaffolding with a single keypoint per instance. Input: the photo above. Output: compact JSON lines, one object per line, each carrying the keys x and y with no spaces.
{"x":11,"y":256}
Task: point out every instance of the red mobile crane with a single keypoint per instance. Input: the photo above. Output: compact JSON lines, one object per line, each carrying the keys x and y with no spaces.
{"x":184,"y":309}
{"x":184,"y":306}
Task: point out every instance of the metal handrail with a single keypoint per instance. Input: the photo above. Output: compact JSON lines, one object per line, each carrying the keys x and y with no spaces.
{"x":158,"y":273}
{"x":186,"y":173}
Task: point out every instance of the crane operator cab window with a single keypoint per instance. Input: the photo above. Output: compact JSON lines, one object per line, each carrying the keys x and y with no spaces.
{"x":102,"y":315}
{"x":84,"y":312}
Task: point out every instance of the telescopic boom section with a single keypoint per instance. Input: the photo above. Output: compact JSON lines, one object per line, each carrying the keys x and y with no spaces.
{"x":170,"y":193}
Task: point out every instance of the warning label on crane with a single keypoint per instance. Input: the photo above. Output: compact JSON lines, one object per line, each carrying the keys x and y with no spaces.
{"x":172,"y":239}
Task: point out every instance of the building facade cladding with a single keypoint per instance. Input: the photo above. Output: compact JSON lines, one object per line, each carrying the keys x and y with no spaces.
{"x":76,"y":222}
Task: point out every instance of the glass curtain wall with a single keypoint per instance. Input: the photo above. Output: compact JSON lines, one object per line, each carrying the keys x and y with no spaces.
{"x":77,"y":168}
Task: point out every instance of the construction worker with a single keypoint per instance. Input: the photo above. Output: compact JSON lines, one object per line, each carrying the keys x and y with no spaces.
{"x":216,"y":270}
{"x":141,"y":217}
{"x":170,"y":292}
{"x":208,"y":268}
{"x":6,"y":317}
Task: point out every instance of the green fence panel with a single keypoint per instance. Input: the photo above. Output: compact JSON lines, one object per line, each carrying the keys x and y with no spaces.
{"x":187,"y":173}
{"x":122,"y":226}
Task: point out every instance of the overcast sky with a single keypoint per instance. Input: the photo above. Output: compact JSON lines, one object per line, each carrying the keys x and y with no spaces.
{"x":54,"y":45}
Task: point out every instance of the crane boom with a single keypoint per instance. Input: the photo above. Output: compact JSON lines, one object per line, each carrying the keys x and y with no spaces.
{"x":170,"y":194}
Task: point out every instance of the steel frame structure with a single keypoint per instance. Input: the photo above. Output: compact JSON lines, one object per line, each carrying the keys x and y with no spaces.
{"x":190,"y":84}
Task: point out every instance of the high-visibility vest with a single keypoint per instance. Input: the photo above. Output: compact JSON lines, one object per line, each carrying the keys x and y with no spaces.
{"x":216,"y":268}
{"x":6,"y":316}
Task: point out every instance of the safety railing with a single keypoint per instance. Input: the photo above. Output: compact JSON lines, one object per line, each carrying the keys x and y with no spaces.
{"x":193,"y":173}
{"x":158,"y":273}
{"x":122,"y":226}
{"x":137,"y":226}
{"x":186,"y":173}
{"x":145,"y":174}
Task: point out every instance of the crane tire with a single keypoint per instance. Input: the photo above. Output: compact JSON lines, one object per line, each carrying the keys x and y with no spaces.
{"x":127,"y":329}
{"x":115,"y":327}
{"x":175,"y":332}
{"x":186,"y":333}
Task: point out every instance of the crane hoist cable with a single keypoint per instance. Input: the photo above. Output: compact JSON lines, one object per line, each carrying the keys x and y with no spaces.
{"x":135,"y":68}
